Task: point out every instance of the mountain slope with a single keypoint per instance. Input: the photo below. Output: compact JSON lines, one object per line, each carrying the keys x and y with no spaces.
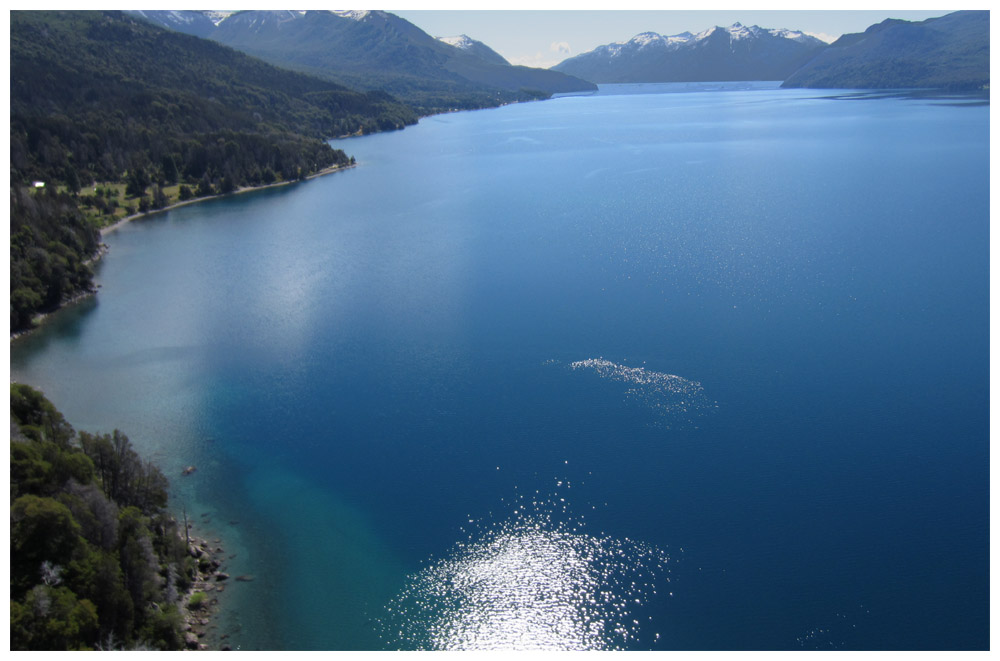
{"x":477,"y":48}
{"x":951,"y":51}
{"x":718,"y":54}
{"x":378,"y":50}
{"x":86,"y":70}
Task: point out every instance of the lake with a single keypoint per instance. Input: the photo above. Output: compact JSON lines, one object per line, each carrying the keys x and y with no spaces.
{"x":663,"y":367}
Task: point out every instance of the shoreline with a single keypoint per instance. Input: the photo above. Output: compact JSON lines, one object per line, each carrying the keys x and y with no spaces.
{"x":202,"y":622}
{"x":244,"y":189}
{"x":39,"y":319}
{"x":201,"y":616}
{"x":102,"y":250}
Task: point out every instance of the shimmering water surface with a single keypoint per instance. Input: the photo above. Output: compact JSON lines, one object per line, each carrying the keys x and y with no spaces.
{"x":536,"y":581}
{"x":703,"y":369}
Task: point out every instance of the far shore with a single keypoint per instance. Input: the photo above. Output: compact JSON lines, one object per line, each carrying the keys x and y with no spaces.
{"x":244,"y":189}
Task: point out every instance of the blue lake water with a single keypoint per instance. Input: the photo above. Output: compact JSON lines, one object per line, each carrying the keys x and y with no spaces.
{"x":687,"y":370}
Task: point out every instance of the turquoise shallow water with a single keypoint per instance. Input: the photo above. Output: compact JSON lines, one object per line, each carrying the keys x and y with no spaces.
{"x":710,"y":367}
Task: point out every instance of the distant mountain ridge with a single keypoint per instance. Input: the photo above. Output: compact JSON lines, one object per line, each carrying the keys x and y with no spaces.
{"x":951,"y":51}
{"x":718,"y":54}
{"x":478,"y":48}
{"x":195,"y":23}
{"x":377,"y":50}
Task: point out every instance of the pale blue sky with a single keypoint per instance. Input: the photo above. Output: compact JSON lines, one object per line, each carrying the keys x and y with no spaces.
{"x":543,"y":38}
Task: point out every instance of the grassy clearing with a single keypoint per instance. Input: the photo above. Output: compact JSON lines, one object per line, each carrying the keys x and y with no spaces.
{"x":105,"y":203}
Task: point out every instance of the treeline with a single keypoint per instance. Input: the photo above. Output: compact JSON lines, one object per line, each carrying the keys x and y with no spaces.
{"x":103,"y":98}
{"x":96,"y":560}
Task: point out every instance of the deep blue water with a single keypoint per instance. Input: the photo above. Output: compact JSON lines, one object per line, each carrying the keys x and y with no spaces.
{"x":785,"y":444}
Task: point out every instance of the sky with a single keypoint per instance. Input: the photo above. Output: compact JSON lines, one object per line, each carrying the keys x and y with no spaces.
{"x":543,"y":38}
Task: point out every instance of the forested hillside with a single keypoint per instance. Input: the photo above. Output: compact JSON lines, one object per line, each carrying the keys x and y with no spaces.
{"x":101,"y":93}
{"x":377,"y":50}
{"x":107,"y":98}
{"x":947,"y":52}
{"x":96,"y":561}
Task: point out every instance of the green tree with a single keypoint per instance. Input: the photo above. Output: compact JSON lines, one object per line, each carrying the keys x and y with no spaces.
{"x":72,"y":180}
{"x":136,"y":182}
{"x":160,"y":199}
{"x":52,"y":618}
{"x":204,"y":187}
{"x":169,"y":169}
{"x":125,"y":478}
{"x":36,"y":417}
{"x":41,"y":529}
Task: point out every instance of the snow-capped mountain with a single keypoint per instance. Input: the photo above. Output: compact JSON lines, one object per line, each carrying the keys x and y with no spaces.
{"x":198,"y":23}
{"x":217,"y":16}
{"x":737,"y":52}
{"x":356,"y":14}
{"x":473,"y":47}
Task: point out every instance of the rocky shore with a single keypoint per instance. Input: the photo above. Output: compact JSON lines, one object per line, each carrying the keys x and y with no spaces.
{"x":201,"y":603}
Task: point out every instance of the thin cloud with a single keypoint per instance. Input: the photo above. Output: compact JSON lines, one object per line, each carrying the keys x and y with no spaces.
{"x":821,"y":36}
{"x":538,"y":60}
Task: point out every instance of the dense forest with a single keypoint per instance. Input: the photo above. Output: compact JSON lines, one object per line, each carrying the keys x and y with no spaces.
{"x":134,"y":117}
{"x":96,"y":560}
{"x":102,"y":93}
{"x":50,"y":243}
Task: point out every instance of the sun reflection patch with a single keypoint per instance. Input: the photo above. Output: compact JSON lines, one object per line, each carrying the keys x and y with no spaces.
{"x":530,"y":583}
{"x":668,"y":394}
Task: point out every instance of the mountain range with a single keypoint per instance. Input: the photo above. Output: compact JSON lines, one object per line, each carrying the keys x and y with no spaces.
{"x":950,"y":51}
{"x":734,"y":53}
{"x":369,"y":50}
{"x":377,"y":50}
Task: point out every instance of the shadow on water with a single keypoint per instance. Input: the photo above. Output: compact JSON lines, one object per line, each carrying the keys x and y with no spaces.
{"x":63,"y":326}
{"x":938,"y":97}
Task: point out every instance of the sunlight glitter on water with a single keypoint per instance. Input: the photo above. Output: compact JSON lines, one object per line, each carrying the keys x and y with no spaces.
{"x":534,"y":582}
{"x":668,"y":394}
